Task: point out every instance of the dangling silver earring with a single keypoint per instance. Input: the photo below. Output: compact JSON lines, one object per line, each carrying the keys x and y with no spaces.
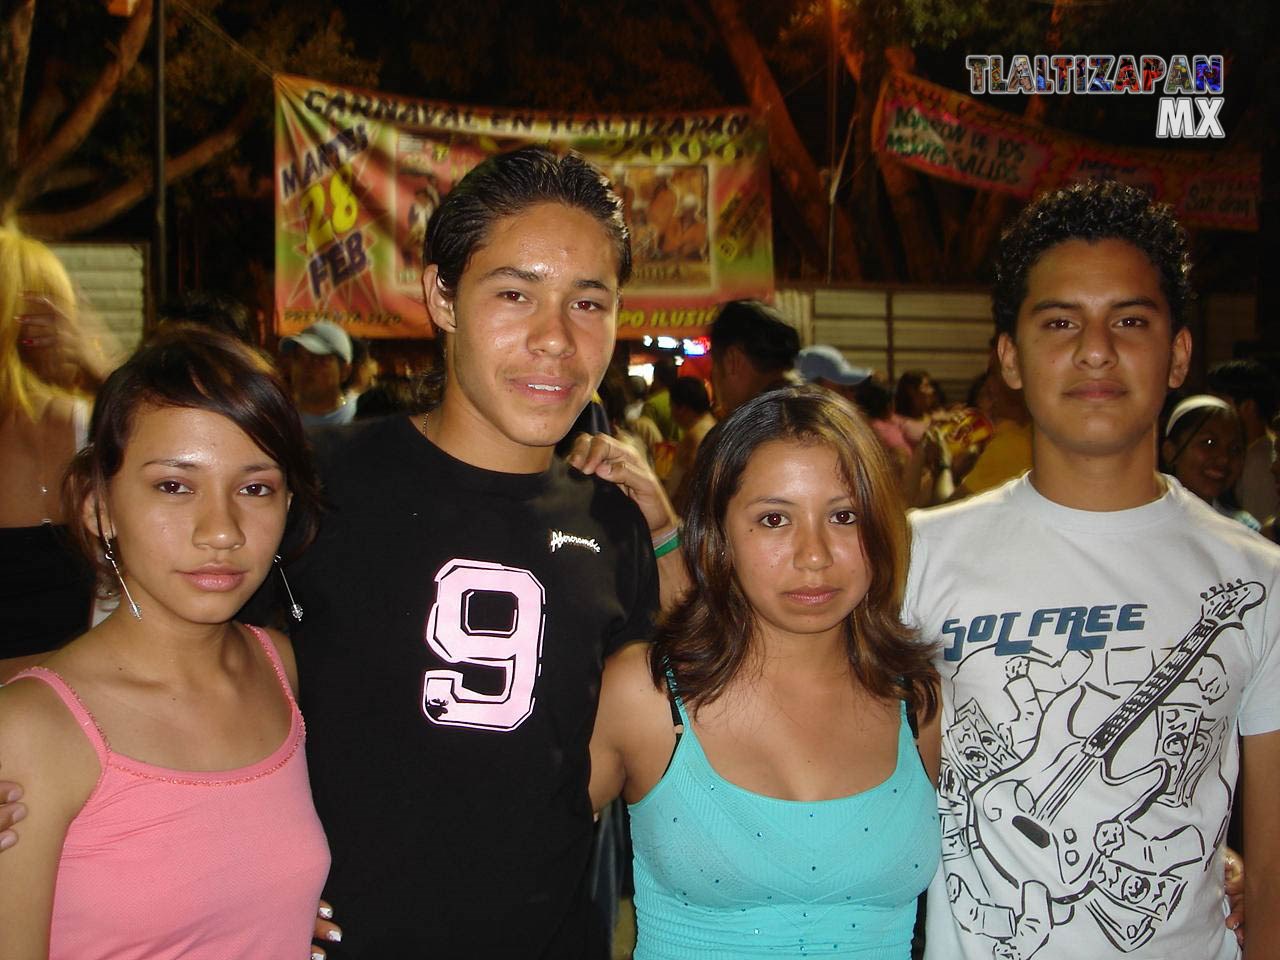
{"x":295,"y":608}
{"x":111,"y":559}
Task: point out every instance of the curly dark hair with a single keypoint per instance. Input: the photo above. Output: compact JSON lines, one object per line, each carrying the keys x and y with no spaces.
{"x":708,"y":638}
{"x":1092,"y":211}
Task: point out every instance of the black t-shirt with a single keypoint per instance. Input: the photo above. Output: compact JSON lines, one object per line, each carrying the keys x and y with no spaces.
{"x":456,"y":622}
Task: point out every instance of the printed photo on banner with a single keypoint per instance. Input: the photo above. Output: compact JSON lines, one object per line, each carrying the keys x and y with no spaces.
{"x":359,"y":173}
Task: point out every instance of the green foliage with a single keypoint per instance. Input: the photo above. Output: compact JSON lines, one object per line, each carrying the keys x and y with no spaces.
{"x":210,"y":71}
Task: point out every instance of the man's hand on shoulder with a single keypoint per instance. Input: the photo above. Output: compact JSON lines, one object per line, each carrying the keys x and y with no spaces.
{"x":11,"y":811}
{"x":609,"y":459}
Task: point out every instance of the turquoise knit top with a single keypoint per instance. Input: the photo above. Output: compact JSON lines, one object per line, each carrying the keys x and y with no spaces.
{"x":721,"y":872}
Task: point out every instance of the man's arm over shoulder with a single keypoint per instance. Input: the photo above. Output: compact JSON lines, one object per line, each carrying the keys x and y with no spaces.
{"x":603,"y":456}
{"x":1261,"y":769}
{"x":640,"y":582}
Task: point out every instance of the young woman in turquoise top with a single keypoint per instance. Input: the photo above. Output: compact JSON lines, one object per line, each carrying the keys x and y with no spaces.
{"x":778,"y":806}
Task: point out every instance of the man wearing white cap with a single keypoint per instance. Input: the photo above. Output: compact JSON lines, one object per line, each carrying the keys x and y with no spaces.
{"x":318,"y":362}
{"x":826,"y":366}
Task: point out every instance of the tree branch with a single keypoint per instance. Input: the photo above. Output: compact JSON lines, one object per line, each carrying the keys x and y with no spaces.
{"x":791,"y":161}
{"x":56,"y":226}
{"x":86,"y":113}
{"x":15,"y":47}
{"x":70,"y":178}
{"x":45,"y":108}
{"x":902,"y":184}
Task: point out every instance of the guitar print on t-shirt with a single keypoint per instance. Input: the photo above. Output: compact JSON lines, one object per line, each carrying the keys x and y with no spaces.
{"x":1068,"y":790}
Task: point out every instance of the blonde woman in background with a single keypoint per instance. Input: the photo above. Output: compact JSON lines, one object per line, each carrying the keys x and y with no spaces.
{"x":46,"y":591}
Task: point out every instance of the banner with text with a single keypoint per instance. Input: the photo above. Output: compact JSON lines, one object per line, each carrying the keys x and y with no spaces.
{"x":952,"y":136}
{"x":359,"y":173}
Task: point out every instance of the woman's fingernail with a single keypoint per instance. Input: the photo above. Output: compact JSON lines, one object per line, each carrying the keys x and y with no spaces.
{"x":326,"y":912}
{"x":7,"y":841}
{"x":335,"y":935}
{"x":317,"y":955}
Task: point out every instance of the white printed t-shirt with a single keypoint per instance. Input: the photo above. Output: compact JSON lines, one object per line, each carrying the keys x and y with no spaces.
{"x":1096,"y":668}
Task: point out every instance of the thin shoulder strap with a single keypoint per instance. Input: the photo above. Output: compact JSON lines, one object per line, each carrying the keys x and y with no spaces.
{"x":674,"y":701}
{"x":71,"y":700}
{"x":274,"y":656}
{"x":912,"y":720}
{"x":80,"y":422}
{"x":677,"y":712}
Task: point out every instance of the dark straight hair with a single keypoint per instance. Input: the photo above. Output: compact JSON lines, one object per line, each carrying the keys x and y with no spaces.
{"x":195,"y":367}
{"x":768,"y":341}
{"x":706,"y":641}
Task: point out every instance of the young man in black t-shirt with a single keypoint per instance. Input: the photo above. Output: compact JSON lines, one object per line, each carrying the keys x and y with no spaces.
{"x":466,"y":587}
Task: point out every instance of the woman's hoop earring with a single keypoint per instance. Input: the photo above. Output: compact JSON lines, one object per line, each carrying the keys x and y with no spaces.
{"x":124,"y":587}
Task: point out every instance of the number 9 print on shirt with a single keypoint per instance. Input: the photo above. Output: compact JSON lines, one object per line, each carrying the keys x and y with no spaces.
{"x":491,"y":616}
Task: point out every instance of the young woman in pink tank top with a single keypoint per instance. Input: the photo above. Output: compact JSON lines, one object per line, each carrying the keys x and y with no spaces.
{"x":162,"y":751}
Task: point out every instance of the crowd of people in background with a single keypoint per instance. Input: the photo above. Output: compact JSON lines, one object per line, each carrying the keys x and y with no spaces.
{"x":804,"y":742}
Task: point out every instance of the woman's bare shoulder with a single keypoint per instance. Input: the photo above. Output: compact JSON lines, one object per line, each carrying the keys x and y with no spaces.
{"x":627,"y":674}
{"x":40,"y":738}
{"x":632,"y":706}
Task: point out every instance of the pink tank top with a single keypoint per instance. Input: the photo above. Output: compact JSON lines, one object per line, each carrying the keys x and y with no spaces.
{"x":164,"y":864}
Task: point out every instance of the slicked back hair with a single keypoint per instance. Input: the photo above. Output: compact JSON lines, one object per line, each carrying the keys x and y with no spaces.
{"x":508,"y":184}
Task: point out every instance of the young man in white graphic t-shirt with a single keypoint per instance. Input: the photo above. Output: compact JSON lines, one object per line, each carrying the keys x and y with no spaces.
{"x":1103,"y":635}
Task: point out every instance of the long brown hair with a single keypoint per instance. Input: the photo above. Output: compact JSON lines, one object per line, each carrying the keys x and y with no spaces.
{"x":706,"y":640}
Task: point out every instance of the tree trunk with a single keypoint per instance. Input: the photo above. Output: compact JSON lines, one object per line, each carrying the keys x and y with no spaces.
{"x":15,"y":46}
{"x":991,"y":208}
{"x":866,"y":193}
{"x":791,"y":161}
{"x":56,"y":226}
{"x":903,"y":186}
{"x":36,"y":167}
